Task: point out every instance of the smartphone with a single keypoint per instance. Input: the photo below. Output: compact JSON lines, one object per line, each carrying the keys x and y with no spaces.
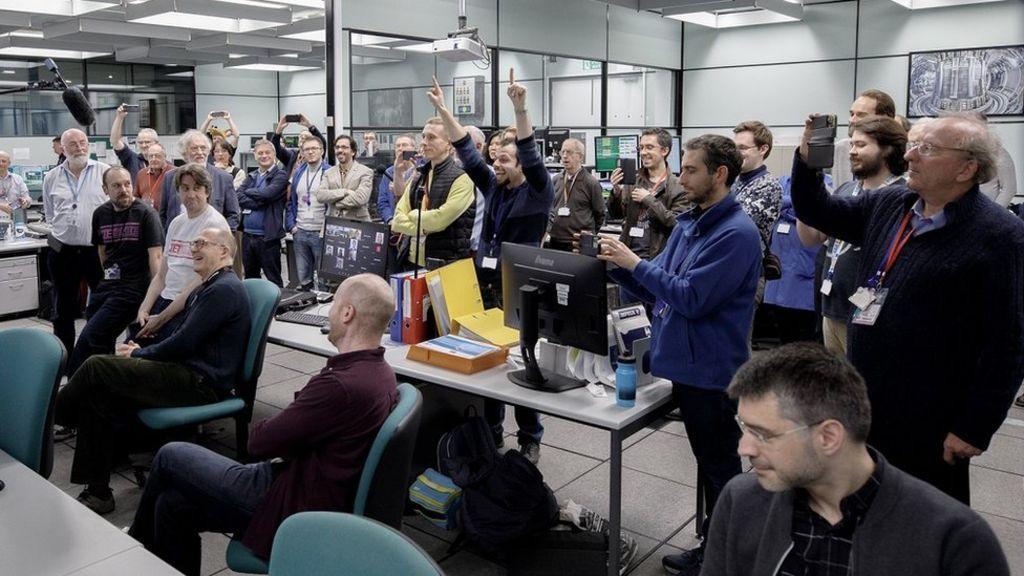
{"x":131,"y":107}
{"x":589,"y":244}
{"x":293,"y":118}
{"x":822,"y":145}
{"x":218,"y":114}
{"x":408,"y":154}
{"x":628,"y":167}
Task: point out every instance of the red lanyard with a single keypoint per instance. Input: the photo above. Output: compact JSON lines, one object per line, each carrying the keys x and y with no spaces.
{"x":903,"y":235}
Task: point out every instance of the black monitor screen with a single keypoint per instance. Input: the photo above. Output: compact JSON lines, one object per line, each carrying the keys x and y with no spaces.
{"x":353,"y":247}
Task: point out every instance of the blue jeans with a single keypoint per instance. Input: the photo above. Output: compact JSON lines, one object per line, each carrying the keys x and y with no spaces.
{"x":308,"y":246}
{"x":191,"y":490}
{"x":528,"y":420}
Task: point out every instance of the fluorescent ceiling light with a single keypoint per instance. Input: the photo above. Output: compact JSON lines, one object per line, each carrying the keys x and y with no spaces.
{"x":918,"y":4}
{"x":56,"y":7}
{"x":238,"y":42}
{"x":50,"y":53}
{"x":426,"y":48}
{"x":771,"y":12}
{"x":207,"y":15}
{"x":311,"y":29}
{"x":19,"y":64}
{"x":273,"y":64}
{"x":87,"y":29}
{"x":300,"y":3}
{"x":184,"y":74}
{"x":20,"y":45}
{"x":113,"y":87}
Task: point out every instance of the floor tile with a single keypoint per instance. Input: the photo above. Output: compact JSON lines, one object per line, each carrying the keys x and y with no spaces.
{"x":997,"y":493}
{"x":283,"y":393}
{"x":1011,"y":535}
{"x":665,"y":455}
{"x":468,"y":563}
{"x":652,"y":565}
{"x":215,"y":545}
{"x":1014,"y":424}
{"x":272,"y":374}
{"x":1004,"y":453}
{"x":672,"y":427}
{"x":582,"y":439}
{"x":560,"y":467}
{"x":686,"y":538}
{"x":300,"y":361}
{"x":274,"y":349}
{"x":436,"y":547}
{"x":651,"y":506}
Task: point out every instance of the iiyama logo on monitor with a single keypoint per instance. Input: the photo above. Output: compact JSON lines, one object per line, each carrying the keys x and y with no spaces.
{"x":546,"y":262}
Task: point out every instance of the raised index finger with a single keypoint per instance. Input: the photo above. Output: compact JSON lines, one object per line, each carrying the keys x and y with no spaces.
{"x":436,"y":85}
{"x":511,"y":76}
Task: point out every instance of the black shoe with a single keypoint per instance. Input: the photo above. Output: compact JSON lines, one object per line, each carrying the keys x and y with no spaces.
{"x":98,"y":505}
{"x":62,"y":433}
{"x":499,"y":442}
{"x":1019,"y":402}
{"x":531,"y":451}
{"x":687,"y":563}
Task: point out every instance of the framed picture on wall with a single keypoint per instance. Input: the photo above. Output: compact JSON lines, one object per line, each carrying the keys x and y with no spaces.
{"x":987,"y":80}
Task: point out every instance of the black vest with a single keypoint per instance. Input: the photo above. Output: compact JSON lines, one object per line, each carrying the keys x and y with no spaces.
{"x":452,"y":243}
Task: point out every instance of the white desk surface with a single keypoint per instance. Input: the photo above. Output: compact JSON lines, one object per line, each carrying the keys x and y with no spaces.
{"x":21,"y":244}
{"x":578,"y":404}
{"x":45,"y":532}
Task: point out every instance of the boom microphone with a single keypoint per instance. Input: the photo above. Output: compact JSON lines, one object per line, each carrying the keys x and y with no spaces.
{"x":74,"y":99}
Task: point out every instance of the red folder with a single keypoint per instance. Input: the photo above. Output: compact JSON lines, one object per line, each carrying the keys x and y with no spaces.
{"x":415,"y":310}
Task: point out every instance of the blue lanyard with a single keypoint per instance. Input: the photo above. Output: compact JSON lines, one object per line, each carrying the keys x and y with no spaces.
{"x":308,"y":177}
{"x":76,"y":189}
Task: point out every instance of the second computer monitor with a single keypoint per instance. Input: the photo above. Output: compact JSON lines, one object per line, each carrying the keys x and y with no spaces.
{"x":353,"y":247}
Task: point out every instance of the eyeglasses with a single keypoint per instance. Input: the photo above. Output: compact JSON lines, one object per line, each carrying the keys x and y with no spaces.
{"x":200,"y":243}
{"x":744,"y":148}
{"x":764,"y":438}
{"x":928,"y":149}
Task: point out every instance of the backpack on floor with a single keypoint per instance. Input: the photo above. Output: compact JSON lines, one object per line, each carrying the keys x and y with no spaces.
{"x":467,"y":454}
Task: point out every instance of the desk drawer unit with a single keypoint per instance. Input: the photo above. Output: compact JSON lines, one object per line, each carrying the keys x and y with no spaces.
{"x":18,"y":268}
{"x":19,"y":295}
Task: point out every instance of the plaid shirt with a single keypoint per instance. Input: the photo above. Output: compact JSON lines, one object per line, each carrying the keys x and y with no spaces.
{"x":819,"y":548}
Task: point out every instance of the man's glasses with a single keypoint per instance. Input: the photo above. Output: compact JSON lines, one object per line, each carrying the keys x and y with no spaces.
{"x":766,"y":437}
{"x":200,"y":243}
{"x":928,"y":149}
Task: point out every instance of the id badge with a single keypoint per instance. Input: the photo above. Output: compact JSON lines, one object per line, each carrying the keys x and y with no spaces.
{"x":112,"y":273}
{"x":862,"y":298}
{"x":826,"y":287}
{"x":661,"y":309}
{"x":784,"y":228}
{"x":563,"y":211}
{"x":636,"y":232}
{"x":247,"y":211}
{"x":868,"y":316}
{"x":489,"y":262}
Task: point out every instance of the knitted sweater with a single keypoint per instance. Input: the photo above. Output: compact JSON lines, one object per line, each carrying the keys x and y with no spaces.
{"x":946,"y":353}
{"x":760,"y":195}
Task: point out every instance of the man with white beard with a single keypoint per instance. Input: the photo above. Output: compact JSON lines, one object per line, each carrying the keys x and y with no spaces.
{"x":71,"y":192}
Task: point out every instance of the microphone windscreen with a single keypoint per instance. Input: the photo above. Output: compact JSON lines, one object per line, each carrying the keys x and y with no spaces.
{"x":78,"y":105}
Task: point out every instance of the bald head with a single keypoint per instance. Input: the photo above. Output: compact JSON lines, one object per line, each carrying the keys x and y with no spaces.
{"x":970,"y":134}
{"x":72,"y":134}
{"x":372,"y":298}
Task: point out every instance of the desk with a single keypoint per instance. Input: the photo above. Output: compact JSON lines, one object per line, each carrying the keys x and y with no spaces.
{"x":45,"y":532}
{"x":652,"y":401}
{"x":20,"y":268}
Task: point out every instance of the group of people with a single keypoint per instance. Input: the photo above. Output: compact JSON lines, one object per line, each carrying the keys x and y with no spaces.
{"x":845,"y":452}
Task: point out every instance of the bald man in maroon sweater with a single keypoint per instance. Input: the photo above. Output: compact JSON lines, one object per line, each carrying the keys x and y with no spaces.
{"x":313,"y":451}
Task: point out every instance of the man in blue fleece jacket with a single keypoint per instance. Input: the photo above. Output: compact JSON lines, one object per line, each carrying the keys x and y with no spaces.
{"x":702,"y":289}
{"x":197,"y":364}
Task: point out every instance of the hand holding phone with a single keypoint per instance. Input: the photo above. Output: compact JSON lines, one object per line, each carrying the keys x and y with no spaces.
{"x":293,"y":118}
{"x":628,"y":167}
{"x":408,"y":154}
{"x":820,"y":136}
{"x":590,"y":244}
{"x":218,"y":114}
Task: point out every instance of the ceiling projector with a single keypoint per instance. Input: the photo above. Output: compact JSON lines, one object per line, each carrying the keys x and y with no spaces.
{"x":460,"y":49}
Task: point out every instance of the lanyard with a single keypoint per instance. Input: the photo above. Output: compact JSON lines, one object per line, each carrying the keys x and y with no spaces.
{"x":309,"y":182}
{"x":76,"y":187}
{"x":569,"y":185}
{"x":903,"y":235}
{"x":840,"y":247}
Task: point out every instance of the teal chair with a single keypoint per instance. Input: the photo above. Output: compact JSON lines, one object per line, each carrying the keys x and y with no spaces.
{"x":337,"y":544}
{"x":31,"y":363}
{"x":263,"y":299}
{"x":383,"y":484}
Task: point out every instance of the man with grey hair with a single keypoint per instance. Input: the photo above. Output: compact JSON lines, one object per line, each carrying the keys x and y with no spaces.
{"x":71,"y":192}
{"x":938,"y":325}
{"x":262,"y":198}
{"x":13,"y":191}
{"x":133,"y":161}
{"x":579,"y":199}
{"x":194,"y":147}
{"x":390,"y":186}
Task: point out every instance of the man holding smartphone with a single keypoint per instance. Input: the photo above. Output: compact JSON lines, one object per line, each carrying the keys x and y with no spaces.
{"x":131,"y":160}
{"x":649,"y":205}
{"x":389,"y":188}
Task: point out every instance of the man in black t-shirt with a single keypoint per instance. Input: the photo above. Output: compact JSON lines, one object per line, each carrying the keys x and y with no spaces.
{"x":129,"y":237}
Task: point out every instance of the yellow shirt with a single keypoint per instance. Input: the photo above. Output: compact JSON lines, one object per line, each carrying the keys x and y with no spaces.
{"x":460,"y":196}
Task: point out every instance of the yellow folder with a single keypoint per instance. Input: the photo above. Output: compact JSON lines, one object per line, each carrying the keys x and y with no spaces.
{"x":486,"y":326}
{"x":454,"y":292}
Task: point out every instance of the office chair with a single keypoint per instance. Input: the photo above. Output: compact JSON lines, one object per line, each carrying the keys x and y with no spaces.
{"x":383,"y":484}
{"x":31,"y":364}
{"x":263,"y":299}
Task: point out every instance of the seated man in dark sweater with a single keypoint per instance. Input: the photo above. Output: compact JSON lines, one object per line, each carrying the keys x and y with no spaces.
{"x":518,"y":195}
{"x":197,"y":364}
{"x":938,"y":325}
{"x":820,"y":499}
{"x":323,"y":438}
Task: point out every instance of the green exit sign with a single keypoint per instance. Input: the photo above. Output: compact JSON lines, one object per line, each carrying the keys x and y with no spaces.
{"x":591,"y":65}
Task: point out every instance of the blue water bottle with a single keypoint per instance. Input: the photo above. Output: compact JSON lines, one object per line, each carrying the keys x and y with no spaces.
{"x":625,"y":382}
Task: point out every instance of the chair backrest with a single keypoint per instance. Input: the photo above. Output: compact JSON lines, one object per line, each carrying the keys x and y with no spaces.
{"x":263,"y":298}
{"x":385,"y":479}
{"x":31,"y":362}
{"x":334,"y":543}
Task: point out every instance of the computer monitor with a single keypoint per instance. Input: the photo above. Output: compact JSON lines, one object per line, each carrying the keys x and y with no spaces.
{"x":353,"y":247}
{"x":608,"y":150}
{"x":675,"y":156}
{"x":558,"y":295}
{"x":553,"y":141}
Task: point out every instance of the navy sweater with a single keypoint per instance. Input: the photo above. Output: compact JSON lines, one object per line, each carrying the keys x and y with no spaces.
{"x":212,"y":339}
{"x":946,"y":353}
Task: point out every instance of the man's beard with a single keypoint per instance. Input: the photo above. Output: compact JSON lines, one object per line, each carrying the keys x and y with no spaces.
{"x":78,"y":161}
{"x":868,"y":167}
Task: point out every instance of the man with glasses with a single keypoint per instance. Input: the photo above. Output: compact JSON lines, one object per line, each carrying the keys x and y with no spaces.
{"x":579,"y":200}
{"x":194,"y":148}
{"x":149,"y":181}
{"x":821,"y":500}
{"x":133,"y":161}
{"x":389,"y":189}
{"x":305,"y":215}
{"x":649,"y":208}
{"x":262,"y":198}
{"x":290,"y":157}
{"x":756,"y":189}
{"x":346,"y":187}
{"x":198,"y":364}
{"x":938,"y":323}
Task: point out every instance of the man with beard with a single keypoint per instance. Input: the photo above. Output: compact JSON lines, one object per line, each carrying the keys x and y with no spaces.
{"x":518,"y":196}
{"x":195,"y":149}
{"x":701,"y":288}
{"x":129,"y":239}
{"x":877,"y":146}
{"x":871,"y":102}
{"x":71,"y":192}
{"x":345,"y":188}
{"x":938,"y":329}
{"x":821,"y":500}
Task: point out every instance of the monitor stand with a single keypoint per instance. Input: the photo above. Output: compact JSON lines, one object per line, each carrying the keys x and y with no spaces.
{"x":533,"y":376}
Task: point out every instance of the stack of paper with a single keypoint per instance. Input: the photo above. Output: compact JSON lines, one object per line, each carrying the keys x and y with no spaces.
{"x":487,"y":326}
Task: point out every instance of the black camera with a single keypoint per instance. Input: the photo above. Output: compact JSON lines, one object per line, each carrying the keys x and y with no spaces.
{"x":590,"y":245}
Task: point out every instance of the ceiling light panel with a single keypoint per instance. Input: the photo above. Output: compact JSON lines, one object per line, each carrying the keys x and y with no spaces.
{"x":764,"y":12}
{"x":919,"y":4}
{"x":237,"y":42}
{"x":207,"y":15}
{"x":273,"y":64}
{"x":55,"y":7}
{"x":82,"y":28}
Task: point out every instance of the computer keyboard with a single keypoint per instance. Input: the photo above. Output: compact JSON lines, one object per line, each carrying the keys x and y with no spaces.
{"x":303,"y":318}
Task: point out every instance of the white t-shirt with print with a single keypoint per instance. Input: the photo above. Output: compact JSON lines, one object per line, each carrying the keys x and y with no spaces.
{"x":182,"y":231}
